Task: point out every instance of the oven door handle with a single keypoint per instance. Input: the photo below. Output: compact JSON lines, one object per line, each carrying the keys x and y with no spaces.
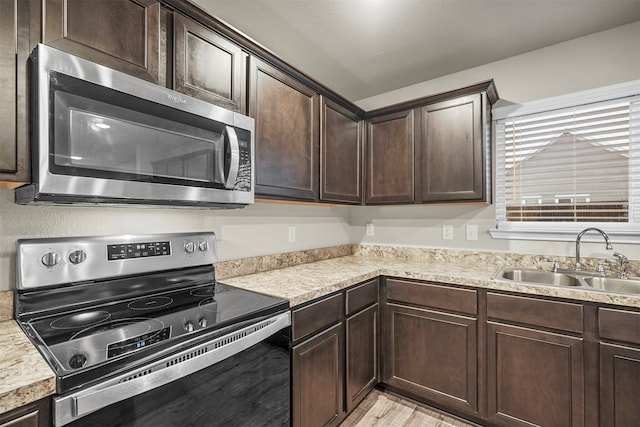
{"x":71,"y":407}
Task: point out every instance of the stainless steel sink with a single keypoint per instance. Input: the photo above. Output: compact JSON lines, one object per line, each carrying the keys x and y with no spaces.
{"x":539,"y":277}
{"x":610,"y":284}
{"x":569,"y":278}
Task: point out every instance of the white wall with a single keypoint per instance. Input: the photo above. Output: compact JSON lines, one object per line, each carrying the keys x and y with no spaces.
{"x":605,"y":58}
{"x":260,"y":229}
{"x":589,"y":62}
{"x":600,"y":59}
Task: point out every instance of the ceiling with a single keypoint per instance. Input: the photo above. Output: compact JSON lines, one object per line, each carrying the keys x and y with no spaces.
{"x":362,"y":48}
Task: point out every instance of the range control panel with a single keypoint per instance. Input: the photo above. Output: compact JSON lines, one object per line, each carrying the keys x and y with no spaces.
{"x":138,"y":250}
{"x":45,"y":262}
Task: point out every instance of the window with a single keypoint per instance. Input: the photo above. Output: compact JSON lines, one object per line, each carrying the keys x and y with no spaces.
{"x":569,"y":163}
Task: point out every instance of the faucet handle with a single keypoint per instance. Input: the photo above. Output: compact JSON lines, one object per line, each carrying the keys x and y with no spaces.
{"x":620,"y":257}
{"x":602,"y":265}
{"x":556,"y":264}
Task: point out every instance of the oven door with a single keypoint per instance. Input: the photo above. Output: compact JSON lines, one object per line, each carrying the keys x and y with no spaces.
{"x":240,"y":379}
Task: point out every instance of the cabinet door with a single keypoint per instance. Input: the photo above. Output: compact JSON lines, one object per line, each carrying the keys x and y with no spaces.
{"x":286,"y":134}
{"x":120,"y":34}
{"x":208,"y":66}
{"x":534,"y":377}
{"x":390,"y":159}
{"x":362,"y":355}
{"x":340,"y":155}
{"x":452,"y":147}
{"x":432,"y":355}
{"x":14,"y":51}
{"x":34,"y":414}
{"x":619,"y":385}
{"x":318,"y":379}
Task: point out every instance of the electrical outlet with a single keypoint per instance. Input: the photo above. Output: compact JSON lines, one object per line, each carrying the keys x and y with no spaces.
{"x":369,"y":230}
{"x":292,"y":233}
{"x":447,"y":232}
{"x":472,"y":232}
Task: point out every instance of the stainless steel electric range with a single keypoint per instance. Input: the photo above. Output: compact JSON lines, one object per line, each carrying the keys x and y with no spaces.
{"x":139,"y":333}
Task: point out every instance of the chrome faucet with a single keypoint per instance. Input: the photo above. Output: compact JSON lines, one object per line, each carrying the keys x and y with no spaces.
{"x":623,"y":262}
{"x":606,"y":239}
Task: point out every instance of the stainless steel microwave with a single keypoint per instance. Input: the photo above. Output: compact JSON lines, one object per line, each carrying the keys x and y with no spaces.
{"x":102,"y":136}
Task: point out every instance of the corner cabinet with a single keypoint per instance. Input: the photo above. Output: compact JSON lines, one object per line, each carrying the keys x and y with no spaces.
{"x":287,"y":120}
{"x":208,"y":66}
{"x":340,"y":154}
{"x":120,"y":34}
{"x":390,"y":159}
{"x":362,"y":354}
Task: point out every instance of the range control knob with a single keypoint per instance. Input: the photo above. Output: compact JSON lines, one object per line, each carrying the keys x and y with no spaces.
{"x":203,"y":246}
{"x":77,"y":361}
{"x":190,"y":247}
{"x":50,"y":259}
{"x":76,"y":257}
{"x":188,"y":327}
{"x":202,"y":322}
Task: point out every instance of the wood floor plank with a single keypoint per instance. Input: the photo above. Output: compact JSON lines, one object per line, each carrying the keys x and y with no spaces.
{"x":380,"y":409}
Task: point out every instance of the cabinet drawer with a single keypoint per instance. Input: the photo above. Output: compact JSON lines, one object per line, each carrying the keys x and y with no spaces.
{"x":432,"y":295}
{"x":362,"y":296}
{"x":316,"y":316}
{"x":619,"y":325}
{"x":536,"y":312}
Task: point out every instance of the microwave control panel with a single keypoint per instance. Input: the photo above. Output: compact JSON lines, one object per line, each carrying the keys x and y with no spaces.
{"x":243,"y":181}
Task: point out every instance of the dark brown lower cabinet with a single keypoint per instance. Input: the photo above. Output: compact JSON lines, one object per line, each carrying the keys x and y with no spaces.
{"x":534,"y":377}
{"x":431,"y":355}
{"x":619,"y":385}
{"x":361,"y":355}
{"x":318,"y":379}
{"x":619,"y":367}
{"x":334,"y":355}
{"x":35,"y":414}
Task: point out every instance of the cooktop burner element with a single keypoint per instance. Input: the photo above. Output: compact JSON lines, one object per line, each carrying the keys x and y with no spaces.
{"x":80,"y":320}
{"x":108,"y":313}
{"x":121,"y":328}
{"x":152,"y":303}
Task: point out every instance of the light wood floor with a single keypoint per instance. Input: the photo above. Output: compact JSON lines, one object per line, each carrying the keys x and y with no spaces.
{"x":387,"y":410}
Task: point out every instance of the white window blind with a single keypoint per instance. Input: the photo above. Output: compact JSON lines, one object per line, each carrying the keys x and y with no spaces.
{"x":570,"y":167}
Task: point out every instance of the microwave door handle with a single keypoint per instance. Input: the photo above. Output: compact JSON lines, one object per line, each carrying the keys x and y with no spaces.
{"x":234,"y":164}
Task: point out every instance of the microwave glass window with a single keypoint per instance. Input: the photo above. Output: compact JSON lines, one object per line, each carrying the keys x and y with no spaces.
{"x":102,"y":133}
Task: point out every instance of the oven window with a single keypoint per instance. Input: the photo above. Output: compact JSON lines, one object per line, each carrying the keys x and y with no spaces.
{"x":251,"y":388}
{"x":104,"y":133}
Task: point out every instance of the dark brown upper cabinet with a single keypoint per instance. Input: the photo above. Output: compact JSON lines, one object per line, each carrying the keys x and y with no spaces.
{"x":446,"y":136}
{"x":452,"y":151}
{"x":208,"y":66}
{"x":16,"y":41}
{"x":340,"y":154}
{"x":286,"y":133}
{"x":390,"y":159}
{"x":120,"y":34}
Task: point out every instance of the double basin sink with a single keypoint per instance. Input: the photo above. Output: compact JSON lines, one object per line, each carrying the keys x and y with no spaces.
{"x":580,"y":280}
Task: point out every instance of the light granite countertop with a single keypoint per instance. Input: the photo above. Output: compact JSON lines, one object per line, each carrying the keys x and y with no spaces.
{"x":305,"y":282}
{"x":26,"y":377}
